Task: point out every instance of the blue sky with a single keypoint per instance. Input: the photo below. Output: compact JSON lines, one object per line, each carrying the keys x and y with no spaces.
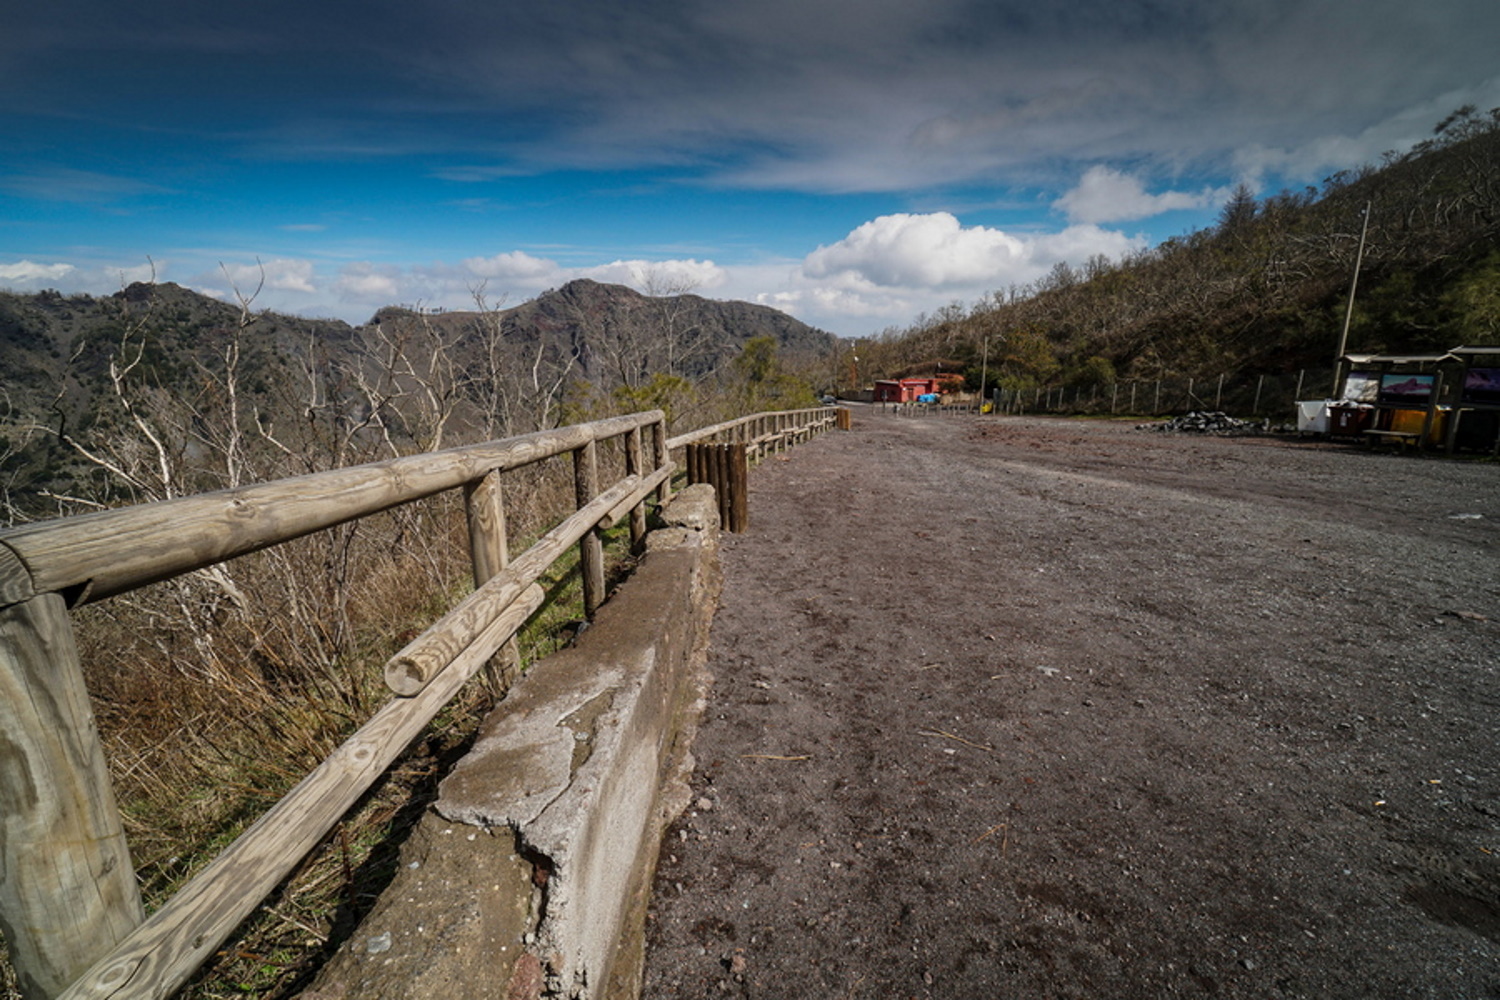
{"x":855,"y":162}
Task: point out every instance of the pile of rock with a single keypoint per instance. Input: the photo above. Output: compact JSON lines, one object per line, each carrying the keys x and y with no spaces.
{"x":1207,"y":423}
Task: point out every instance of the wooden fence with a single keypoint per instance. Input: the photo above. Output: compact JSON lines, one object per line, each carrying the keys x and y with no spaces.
{"x":721,"y":454}
{"x":69,"y":903}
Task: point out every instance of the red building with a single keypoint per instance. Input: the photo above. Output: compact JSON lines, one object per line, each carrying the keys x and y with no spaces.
{"x":905,"y":390}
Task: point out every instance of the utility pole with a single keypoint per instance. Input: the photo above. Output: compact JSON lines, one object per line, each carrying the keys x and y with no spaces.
{"x":984,"y":372}
{"x":1349,"y":307}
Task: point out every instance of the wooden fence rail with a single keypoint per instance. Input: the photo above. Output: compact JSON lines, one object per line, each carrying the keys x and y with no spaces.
{"x":721,"y":454}
{"x":69,"y":903}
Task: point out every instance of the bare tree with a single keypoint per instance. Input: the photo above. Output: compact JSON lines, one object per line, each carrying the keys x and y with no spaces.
{"x":681,"y":341}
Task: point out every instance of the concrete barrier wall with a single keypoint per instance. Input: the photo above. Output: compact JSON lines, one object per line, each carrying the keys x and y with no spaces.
{"x":529,"y":876}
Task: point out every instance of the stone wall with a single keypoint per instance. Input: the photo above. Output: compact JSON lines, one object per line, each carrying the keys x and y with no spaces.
{"x":529,"y":876}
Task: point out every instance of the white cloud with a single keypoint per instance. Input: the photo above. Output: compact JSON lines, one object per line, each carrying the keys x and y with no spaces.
{"x":1108,"y":195}
{"x":282,"y":275}
{"x":517,"y":265}
{"x":366,"y":283}
{"x":151,"y":270}
{"x":90,"y":277}
{"x":881,"y":273}
{"x":887,"y":271}
{"x":698,"y":275}
{"x":934,"y":253}
{"x":521,"y":272}
{"x":1077,"y":244}
{"x":25,"y":274}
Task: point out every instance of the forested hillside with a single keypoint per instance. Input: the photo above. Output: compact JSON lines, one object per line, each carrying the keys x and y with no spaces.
{"x":1262,"y":292}
{"x":158,"y":391}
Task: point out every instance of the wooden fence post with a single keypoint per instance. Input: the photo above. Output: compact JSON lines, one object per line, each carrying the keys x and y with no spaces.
{"x":634,"y":466}
{"x":725,"y":467}
{"x":489,"y":552}
{"x":488,"y":546}
{"x":591,"y":546}
{"x":718,"y":457}
{"x":67,"y":886}
{"x":659,"y":451}
{"x":739,"y":489}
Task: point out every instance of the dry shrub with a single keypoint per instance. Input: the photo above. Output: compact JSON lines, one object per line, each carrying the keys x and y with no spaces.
{"x":218,"y":691}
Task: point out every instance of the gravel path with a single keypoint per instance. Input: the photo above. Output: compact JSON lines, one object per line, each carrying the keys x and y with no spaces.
{"x":1029,"y":708}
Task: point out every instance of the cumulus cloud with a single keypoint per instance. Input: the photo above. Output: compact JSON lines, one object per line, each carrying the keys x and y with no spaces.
{"x":26,"y":274}
{"x":1108,"y":195}
{"x":511,"y":276}
{"x":521,"y":271}
{"x":934,"y":252}
{"x":516,"y":265}
{"x":281,"y":274}
{"x":931,"y":250}
{"x":665,"y":275}
{"x":883,"y":272}
{"x":364,"y":282}
{"x":151,"y":270}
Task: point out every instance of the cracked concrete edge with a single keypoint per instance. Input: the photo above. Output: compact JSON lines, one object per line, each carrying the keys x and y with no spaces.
{"x":571,"y":782}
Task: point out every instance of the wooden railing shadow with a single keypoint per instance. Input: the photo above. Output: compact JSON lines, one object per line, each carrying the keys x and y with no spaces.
{"x":70,"y":908}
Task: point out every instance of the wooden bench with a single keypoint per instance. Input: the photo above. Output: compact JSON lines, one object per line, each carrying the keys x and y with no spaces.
{"x":1399,"y":438}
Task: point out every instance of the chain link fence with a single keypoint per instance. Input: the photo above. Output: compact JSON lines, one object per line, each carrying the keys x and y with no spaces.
{"x":1255,"y":397}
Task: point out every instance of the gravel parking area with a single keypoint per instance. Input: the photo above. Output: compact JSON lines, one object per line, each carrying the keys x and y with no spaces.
{"x":1011,"y":707}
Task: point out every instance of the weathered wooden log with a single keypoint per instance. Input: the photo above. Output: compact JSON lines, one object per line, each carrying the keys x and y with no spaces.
{"x":660,"y":458}
{"x":489,"y":548}
{"x":165,"y":950}
{"x":15,"y":579}
{"x":635,"y":461}
{"x":67,"y":885}
{"x":739,"y":487}
{"x":633,"y":502}
{"x":591,"y":545}
{"x":796,"y":417}
{"x":489,"y":553}
{"x":410,"y":670}
{"x":92,"y":556}
{"x":720,"y":478}
{"x":725,"y":467}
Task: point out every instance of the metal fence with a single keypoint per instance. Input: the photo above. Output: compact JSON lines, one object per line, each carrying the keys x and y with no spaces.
{"x":1254,"y":397}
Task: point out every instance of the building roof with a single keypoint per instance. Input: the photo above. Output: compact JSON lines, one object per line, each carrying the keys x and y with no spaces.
{"x":1394,"y":359}
{"x":1456,"y":354}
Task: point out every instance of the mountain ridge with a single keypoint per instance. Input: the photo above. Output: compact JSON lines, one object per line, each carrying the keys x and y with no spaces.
{"x":76,"y":369}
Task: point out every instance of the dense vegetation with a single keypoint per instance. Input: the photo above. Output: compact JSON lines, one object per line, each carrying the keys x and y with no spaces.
{"x":1262,"y":292}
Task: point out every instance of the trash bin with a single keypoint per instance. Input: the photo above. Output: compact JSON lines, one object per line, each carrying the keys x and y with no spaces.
{"x":1312,"y":416}
{"x":1349,"y":419}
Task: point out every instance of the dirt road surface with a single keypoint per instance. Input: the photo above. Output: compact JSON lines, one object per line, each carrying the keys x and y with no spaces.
{"x":1026,"y":708}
